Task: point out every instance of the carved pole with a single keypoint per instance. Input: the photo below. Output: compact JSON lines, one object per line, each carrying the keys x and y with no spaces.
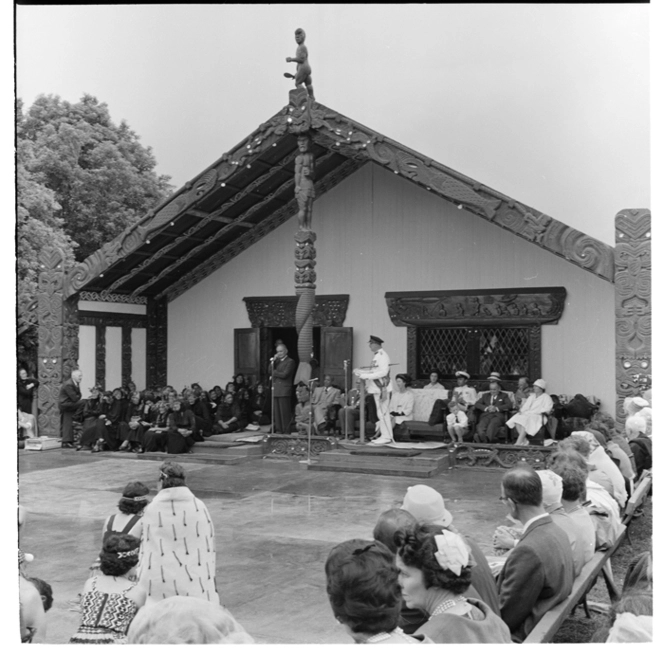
{"x":633,"y":307}
{"x":57,"y":349}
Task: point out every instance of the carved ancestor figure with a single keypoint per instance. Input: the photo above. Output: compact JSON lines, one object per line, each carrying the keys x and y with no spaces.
{"x":303,"y":72}
{"x":304,"y":182}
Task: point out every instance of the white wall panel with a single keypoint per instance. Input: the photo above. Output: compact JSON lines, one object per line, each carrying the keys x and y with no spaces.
{"x":377,"y":233}
{"x":87,"y":341}
{"x":138,"y":357}
{"x":113,"y":357}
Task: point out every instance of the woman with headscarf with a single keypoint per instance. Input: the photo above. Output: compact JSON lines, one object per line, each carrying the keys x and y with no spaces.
{"x":434,"y":572}
{"x":181,"y":427}
{"x":530,"y":418}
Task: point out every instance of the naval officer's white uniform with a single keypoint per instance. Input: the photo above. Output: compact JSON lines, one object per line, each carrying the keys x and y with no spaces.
{"x":380,"y":386}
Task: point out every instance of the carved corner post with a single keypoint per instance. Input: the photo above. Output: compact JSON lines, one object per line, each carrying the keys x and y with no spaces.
{"x":633,"y":306}
{"x":157,"y":342}
{"x":57,"y":347}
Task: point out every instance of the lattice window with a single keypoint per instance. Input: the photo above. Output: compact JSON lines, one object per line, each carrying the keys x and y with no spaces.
{"x":477,"y":350}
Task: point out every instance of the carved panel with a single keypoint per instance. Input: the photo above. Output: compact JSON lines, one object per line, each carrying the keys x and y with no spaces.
{"x":157,"y":343}
{"x":279,"y":311}
{"x":296,"y":447}
{"x":51,"y":339}
{"x":100,"y":356}
{"x":112,"y":319}
{"x":499,"y":456}
{"x":105,"y":296}
{"x":411,"y":352}
{"x":535,"y":363}
{"x":475,"y":307}
{"x":126,"y":356}
{"x":27,"y":315}
{"x":633,"y":306}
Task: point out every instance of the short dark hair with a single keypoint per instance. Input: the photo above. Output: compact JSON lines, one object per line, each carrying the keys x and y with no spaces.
{"x":574,"y":480}
{"x":112,"y":559}
{"x":406,"y":379}
{"x":523,"y":485}
{"x":45,"y":591}
{"x":416,"y":547}
{"x":129,"y":506}
{"x":389,"y":522}
{"x":171,"y":475}
{"x":363,"y":587}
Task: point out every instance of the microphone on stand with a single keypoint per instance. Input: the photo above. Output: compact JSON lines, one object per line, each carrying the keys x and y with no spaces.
{"x":313,"y":379}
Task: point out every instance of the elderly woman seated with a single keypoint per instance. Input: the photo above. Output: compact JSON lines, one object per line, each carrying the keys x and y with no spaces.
{"x":401,"y":406}
{"x":186,"y":620}
{"x":363,"y":589}
{"x":532,"y":414}
{"x":434,"y":571}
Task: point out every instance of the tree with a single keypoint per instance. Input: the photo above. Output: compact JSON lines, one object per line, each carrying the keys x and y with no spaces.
{"x":98,"y":178}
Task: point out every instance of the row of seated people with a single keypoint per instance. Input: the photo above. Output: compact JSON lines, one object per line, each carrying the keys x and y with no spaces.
{"x":146,"y":421}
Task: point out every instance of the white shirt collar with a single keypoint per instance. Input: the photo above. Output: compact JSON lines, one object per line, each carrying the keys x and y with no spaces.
{"x":531,"y":521}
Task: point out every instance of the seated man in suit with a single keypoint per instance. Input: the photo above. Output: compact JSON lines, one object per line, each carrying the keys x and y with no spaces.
{"x":539,"y":572}
{"x":322,"y":401}
{"x":492,"y":408}
{"x":302,"y":409}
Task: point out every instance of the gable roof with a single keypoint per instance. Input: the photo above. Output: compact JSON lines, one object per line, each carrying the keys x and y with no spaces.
{"x":249,"y":192}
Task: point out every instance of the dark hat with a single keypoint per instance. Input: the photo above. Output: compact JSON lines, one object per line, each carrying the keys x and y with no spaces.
{"x":376,"y":339}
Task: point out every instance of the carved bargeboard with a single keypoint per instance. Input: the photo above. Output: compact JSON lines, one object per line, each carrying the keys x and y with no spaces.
{"x":633,"y":306}
{"x":279,"y":311}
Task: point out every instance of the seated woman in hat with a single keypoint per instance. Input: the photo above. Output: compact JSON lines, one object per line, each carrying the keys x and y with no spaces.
{"x":434,"y":572}
{"x":401,"y":406}
{"x":364,"y":592}
{"x":532,"y":415}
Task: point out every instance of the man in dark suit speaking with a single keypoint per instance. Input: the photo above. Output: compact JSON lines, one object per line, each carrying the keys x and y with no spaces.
{"x":69,"y":401}
{"x":539,"y":572}
{"x":493,"y":407}
{"x":283,"y":370}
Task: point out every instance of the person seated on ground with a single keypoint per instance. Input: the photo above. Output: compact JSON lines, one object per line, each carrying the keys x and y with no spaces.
{"x":640,"y":443}
{"x":601,"y":469}
{"x":230,"y":388}
{"x":181,"y":428}
{"x":539,"y":572}
{"x":435,"y":574}
{"x":94,"y":419}
{"x":364,"y":592}
{"x":25,"y":390}
{"x":113,"y":410}
{"x":213,"y":401}
{"x":131,"y":427}
{"x":434,"y":376}
{"x":201,"y":412}
{"x":228,"y":416}
{"x":428,"y":506}
{"x":243,"y":400}
{"x":493,"y":408}
{"x":155,"y":438}
{"x":178,"y":556}
{"x":260,"y":406}
{"x":389,"y":522}
{"x":457,"y":422}
{"x":582,"y":540}
{"x":401,"y":406}
{"x":303,"y":412}
{"x":325,"y":403}
{"x":573,"y":500}
{"x":531,"y":417}
{"x":466,"y":396}
{"x":186,"y":620}
{"x":523,"y":390}
{"x":239,"y":382}
{"x":111,"y":598}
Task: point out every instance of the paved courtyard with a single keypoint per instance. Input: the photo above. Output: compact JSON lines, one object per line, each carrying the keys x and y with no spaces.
{"x":275,"y":523}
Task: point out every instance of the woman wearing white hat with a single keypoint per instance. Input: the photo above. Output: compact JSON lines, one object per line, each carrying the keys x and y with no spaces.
{"x":530,"y":418}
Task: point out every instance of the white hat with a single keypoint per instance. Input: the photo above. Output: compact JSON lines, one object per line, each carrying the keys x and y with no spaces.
{"x":552,"y":487}
{"x":426,"y":505}
{"x":640,"y":402}
{"x":462,"y":374}
{"x":540,"y":383}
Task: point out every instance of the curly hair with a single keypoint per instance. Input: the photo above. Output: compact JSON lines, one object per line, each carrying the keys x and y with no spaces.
{"x":417,"y":548}
{"x":129,"y":506}
{"x":112,"y":558}
{"x":363,"y":587}
{"x":577,"y":443}
{"x":171,"y":475}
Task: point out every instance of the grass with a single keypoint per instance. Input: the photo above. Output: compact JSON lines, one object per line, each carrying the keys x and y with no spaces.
{"x":578,"y":629}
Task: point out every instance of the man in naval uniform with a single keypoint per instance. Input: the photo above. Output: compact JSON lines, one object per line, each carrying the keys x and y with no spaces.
{"x":380,"y":386}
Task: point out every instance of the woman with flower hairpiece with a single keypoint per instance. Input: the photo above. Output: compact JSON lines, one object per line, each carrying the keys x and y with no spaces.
{"x":364,"y":593}
{"x":111,"y":599}
{"x":434,"y":572}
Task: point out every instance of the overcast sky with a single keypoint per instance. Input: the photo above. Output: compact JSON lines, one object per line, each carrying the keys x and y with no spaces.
{"x":548,"y":104}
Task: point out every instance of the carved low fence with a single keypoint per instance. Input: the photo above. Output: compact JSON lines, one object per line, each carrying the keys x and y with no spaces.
{"x":499,"y":456}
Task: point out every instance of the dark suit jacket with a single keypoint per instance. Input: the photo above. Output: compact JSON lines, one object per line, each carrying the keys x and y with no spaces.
{"x":537,"y":575}
{"x":69,"y":401}
{"x":283,"y":373}
{"x":503,"y":402}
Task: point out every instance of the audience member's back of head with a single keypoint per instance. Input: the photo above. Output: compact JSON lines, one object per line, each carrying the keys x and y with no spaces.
{"x":523,"y":486}
{"x":389,"y":522}
{"x":186,"y":620}
{"x":574,"y":481}
{"x":362,"y":586}
{"x":638,"y":576}
{"x":568,"y":456}
{"x":577,"y":443}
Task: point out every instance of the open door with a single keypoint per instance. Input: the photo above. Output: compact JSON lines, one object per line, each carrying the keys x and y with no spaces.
{"x":336,"y":345}
{"x":248,"y":353}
